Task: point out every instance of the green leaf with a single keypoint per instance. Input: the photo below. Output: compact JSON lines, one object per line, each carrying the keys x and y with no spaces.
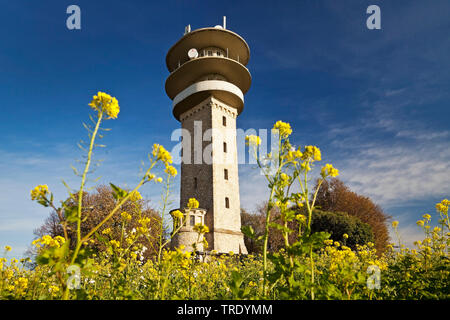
{"x":71,"y":213}
{"x":118,"y":193}
{"x":248,"y":231}
{"x":280,"y":227}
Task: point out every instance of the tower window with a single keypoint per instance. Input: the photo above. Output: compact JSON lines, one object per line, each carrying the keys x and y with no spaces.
{"x":224,"y":147}
{"x":192,"y":222}
{"x":195,"y":183}
{"x":227,"y":203}
{"x":210,"y":53}
{"x":224,"y":121}
{"x":225,"y":174}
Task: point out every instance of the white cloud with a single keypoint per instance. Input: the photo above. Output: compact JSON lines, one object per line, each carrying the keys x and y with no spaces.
{"x":252,"y":186}
{"x":397,"y":174}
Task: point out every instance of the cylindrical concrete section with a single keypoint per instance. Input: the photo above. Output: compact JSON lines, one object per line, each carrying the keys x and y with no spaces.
{"x":222,"y":56}
{"x":230,"y":42}
{"x":199,"y":91}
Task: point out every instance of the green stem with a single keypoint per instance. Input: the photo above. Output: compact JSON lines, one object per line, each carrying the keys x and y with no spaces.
{"x":80,"y":195}
{"x":86,"y":170}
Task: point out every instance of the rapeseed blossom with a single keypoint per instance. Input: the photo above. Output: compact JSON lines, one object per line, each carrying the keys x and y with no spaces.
{"x":201,"y":228}
{"x":162,"y":154}
{"x":171,"y":171}
{"x":39,"y":192}
{"x":177,"y":214}
{"x":252,"y":140}
{"x":329,"y":170}
{"x":47,"y":240}
{"x":103,"y":102}
{"x":135,"y":196}
{"x":284,"y":129}
{"x":312,"y":153}
{"x":193,"y":203}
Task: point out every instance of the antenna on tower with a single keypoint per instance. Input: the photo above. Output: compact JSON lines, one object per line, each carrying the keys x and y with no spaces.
{"x":187,"y":29}
{"x":224,"y":22}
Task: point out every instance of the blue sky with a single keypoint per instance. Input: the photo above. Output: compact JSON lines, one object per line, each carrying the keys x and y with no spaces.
{"x":375,"y":101}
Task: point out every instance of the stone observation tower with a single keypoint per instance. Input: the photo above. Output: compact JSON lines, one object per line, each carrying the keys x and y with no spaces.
{"x":207,"y":82}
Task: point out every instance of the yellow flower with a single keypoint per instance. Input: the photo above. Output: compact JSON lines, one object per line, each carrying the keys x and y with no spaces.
{"x":105,"y":103}
{"x":53,"y":290}
{"x":171,"y":171}
{"x":39,"y":192}
{"x":345,"y":236}
{"x":426,"y":216}
{"x":420,"y":223}
{"x":144,"y":221}
{"x":301,"y":218}
{"x":135,"y":196}
{"x":193,"y":203}
{"x":115,"y":243}
{"x":305,"y":166}
{"x":177,"y":214}
{"x":159,"y":180}
{"x":394,"y":224}
{"x":47,"y":240}
{"x":294,"y":154}
{"x":126,"y":216}
{"x":161,"y":154}
{"x":21,"y":283}
{"x":284,"y":129}
{"x":107,"y":231}
{"x":252,"y":140}
{"x":443,"y":206}
{"x":329,"y":170}
{"x":312,"y":153}
{"x":201,"y":228}
{"x":7,"y":248}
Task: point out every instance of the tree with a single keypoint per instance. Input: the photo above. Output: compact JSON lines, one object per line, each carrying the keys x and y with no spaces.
{"x":335,"y":196}
{"x":96,"y":206}
{"x":256,"y":221}
{"x":335,"y":223}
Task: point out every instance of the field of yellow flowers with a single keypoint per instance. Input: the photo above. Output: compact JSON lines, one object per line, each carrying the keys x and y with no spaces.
{"x":311,"y":267}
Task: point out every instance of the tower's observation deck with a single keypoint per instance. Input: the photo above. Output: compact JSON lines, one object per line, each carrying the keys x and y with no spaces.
{"x":217,"y":69}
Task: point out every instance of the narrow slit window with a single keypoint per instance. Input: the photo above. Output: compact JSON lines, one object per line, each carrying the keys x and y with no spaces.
{"x":195,"y":183}
{"x":225,"y":174}
{"x":227,"y":202}
{"x":192,"y":221}
{"x":225,"y":147}
{"x":224,"y":121}
{"x":210,"y":53}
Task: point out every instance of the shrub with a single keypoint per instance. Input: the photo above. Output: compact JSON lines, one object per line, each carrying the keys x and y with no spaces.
{"x":342,"y":227}
{"x":335,"y":196}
